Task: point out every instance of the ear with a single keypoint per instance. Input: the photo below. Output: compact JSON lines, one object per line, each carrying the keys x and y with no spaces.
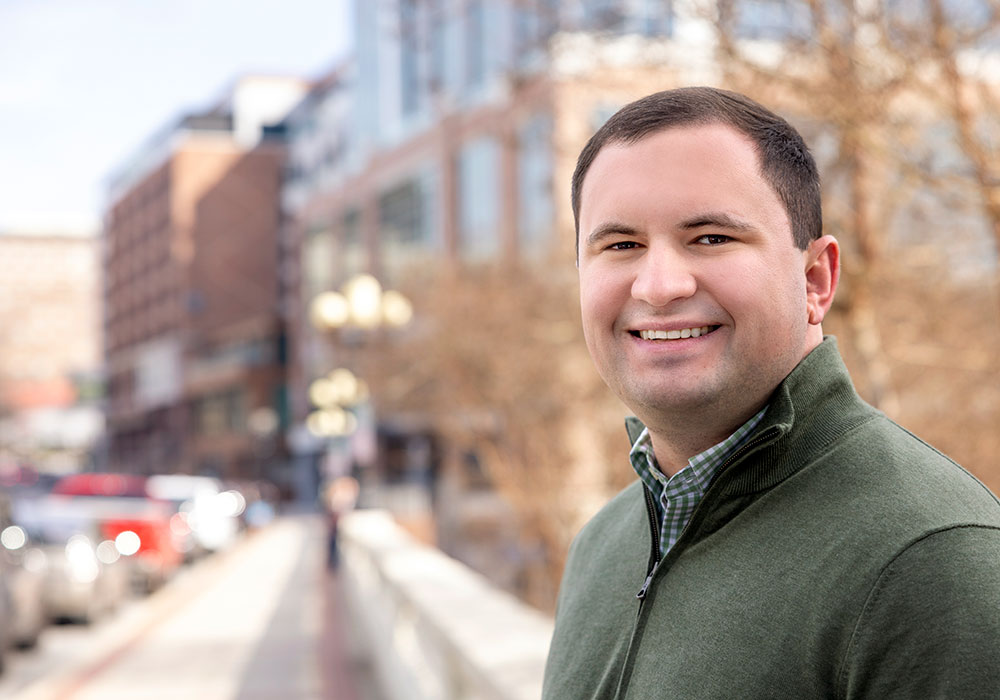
{"x":822,"y":259}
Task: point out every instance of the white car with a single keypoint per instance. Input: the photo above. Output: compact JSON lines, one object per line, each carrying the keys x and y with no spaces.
{"x":86,"y":575}
{"x":208,"y":516}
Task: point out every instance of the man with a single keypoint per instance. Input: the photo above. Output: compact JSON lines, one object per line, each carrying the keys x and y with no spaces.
{"x":784,"y":539}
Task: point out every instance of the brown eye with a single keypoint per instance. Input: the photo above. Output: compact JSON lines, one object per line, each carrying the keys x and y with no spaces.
{"x":622,"y":245}
{"x":713,"y":239}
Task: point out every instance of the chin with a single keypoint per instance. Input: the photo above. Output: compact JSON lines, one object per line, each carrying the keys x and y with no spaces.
{"x":669,"y":402}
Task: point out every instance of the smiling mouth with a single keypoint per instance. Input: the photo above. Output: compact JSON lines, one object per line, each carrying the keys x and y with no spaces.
{"x":675,"y":334}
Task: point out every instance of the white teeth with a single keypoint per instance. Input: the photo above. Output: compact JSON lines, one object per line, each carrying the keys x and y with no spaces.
{"x":674,"y":335}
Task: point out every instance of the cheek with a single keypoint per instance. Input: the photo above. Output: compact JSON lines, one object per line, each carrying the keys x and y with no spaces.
{"x":597,"y":300}
{"x":592,"y":319}
{"x":780,"y":305}
{"x":600,"y":307}
{"x":763,"y":285}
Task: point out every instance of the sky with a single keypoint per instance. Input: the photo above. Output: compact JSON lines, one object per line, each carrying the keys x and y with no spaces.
{"x":83,"y":83}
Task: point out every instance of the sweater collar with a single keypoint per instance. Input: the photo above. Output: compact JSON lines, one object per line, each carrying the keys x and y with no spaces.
{"x":813,"y":405}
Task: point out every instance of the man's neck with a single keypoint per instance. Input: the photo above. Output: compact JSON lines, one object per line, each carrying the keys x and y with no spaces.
{"x":671,"y":457}
{"x":674,"y":444}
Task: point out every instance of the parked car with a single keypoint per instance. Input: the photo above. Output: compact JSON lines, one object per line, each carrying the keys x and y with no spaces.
{"x":128,"y":515}
{"x":86,"y":575}
{"x":207,"y":517}
{"x":21,"y":481}
{"x":6,"y":617}
{"x":22,"y":570}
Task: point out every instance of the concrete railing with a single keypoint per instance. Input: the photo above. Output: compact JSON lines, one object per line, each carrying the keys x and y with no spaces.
{"x":429,"y":627}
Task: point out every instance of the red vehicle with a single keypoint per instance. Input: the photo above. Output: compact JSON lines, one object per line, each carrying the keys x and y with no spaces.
{"x":137,"y":523}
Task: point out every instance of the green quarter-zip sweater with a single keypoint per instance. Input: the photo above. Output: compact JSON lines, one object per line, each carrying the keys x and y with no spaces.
{"x":834,"y":555}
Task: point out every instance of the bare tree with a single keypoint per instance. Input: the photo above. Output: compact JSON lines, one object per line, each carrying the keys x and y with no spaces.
{"x":504,"y":374}
{"x":905,"y":129}
{"x":962,"y":51}
{"x":827,"y":68}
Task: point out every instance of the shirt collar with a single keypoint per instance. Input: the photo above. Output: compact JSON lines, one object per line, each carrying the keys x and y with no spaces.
{"x":701,"y":467}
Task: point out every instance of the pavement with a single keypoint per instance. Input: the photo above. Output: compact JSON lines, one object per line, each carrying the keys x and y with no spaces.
{"x":264,"y":620}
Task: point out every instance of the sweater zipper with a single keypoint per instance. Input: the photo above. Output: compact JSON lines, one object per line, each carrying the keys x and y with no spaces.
{"x":655,"y":555}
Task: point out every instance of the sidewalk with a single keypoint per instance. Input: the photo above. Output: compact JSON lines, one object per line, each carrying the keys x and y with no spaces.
{"x":260,"y":622}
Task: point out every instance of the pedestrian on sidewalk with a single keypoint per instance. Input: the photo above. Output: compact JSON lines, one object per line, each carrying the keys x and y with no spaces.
{"x":340,"y":497}
{"x":784,"y":539}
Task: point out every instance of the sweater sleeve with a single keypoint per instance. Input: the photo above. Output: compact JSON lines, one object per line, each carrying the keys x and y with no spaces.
{"x":931,"y":625}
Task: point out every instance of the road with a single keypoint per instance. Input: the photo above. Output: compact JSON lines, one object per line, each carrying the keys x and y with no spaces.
{"x":262,"y":621}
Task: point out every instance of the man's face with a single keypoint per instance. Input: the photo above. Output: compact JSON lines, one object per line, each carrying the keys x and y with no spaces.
{"x":681,"y":236}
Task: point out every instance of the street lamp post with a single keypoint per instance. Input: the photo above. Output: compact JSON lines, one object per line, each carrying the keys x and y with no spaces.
{"x":342,"y":400}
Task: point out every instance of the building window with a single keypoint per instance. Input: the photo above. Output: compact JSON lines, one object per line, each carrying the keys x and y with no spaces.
{"x":534,"y":176}
{"x":352,"y":254}
{"x":222,"y":413}
{"x":479,"y":198}
{"x":404,"y":231}
{"x":475,"y":43}
{"x":437,"y":38}
{"x":603,"y":15}
{"x":409,"y":73}
{"x":534,"y":24}
{"x":318,"y":256}
{"x":401,"y":215}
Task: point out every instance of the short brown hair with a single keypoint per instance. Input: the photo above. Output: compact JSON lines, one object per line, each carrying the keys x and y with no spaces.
{"x":785,"y":160}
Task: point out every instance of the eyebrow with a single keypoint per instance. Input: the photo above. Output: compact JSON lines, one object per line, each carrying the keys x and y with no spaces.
{"x":609,"y":229}
{"x":719,"y":220}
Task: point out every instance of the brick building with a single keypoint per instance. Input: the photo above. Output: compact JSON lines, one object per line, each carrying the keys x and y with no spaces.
{"x":194,"y":345}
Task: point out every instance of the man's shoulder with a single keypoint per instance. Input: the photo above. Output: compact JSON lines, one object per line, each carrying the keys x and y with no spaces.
{"x":918,"y":469}
{"x":886,"y":480}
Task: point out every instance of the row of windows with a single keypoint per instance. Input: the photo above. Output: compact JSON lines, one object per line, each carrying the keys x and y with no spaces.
{"x":140,"y":217}
{"x":129,"y":296}
{"x":333,"y":252}
{"x":457,"y":47}
{"x":221,"y":413}
{"x":150,"y":195}
{"x":138,"y":265}
{"x":408,"y":213}
{"x":458,"y":54}
{"x":141,"y":323}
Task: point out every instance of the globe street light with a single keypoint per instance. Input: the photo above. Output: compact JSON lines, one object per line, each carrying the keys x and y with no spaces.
{"x":361,"y":303}
{"x":332,"y":395}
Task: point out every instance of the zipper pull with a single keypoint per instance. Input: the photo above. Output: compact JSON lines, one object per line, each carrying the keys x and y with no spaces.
{"x":641,"y":595}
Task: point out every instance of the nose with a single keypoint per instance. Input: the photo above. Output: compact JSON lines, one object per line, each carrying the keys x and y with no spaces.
{"x":663,"y":276}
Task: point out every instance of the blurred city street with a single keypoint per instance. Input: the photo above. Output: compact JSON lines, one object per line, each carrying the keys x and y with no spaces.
{"x":272,"y":270}
{"x":261,"y":620}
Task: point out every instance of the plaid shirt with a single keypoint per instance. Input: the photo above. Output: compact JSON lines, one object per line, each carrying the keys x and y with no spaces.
{"x":677,"y":497}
